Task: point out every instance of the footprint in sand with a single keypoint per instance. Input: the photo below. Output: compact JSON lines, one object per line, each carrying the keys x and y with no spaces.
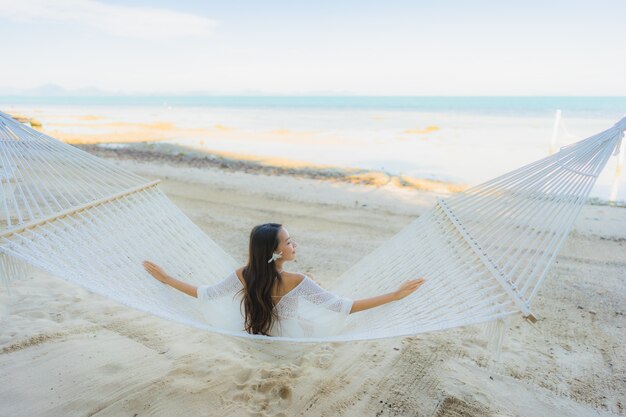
{"x":268,"y":387}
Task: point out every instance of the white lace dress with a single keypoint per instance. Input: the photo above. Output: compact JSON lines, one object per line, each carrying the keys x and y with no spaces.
{"x":306,"y":311}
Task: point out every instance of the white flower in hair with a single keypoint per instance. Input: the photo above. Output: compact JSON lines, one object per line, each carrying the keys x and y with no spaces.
{"x":275,"y":256}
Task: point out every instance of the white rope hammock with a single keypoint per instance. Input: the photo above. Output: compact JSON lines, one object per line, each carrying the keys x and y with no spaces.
{"x":484,"y":252}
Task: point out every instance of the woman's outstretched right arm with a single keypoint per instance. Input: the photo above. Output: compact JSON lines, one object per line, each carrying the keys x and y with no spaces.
{"x":405,"y":289}
{"x":158,"y":273}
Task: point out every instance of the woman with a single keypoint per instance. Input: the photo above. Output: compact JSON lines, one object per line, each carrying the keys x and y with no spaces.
{"x":276,"y":302}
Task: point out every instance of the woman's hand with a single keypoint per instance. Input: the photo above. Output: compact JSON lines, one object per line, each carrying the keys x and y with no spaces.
{"x":156,"y":271}
{"x":407,"y":288}
{"x":160,"y":274}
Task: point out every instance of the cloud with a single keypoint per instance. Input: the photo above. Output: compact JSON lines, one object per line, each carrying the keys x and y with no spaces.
{"x":125,"y":21}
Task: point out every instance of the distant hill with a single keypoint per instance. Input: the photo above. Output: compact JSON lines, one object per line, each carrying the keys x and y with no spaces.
{"x":55,"y":90}
{"x":52,"y":90}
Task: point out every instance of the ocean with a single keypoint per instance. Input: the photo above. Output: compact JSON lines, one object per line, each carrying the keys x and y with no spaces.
{"x":611,"y":107}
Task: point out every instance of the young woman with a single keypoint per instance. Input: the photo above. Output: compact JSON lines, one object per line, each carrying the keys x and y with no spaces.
{"x":276,"y":302}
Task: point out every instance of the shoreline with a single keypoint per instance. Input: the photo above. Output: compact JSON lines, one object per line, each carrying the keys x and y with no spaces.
{"x":230,"y":162}
{"x":374,"y":148}
{"x":155,"y":151}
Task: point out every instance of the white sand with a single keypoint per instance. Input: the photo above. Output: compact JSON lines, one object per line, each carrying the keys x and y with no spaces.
{"x":67,"y":352}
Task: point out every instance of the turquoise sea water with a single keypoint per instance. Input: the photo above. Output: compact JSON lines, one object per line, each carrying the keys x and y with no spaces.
{"x":606,"y":107}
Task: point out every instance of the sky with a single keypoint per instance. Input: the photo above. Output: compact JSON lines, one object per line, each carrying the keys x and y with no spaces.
{"x":317,"y":47}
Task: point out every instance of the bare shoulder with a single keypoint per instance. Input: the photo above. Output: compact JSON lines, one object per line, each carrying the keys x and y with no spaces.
{"x":291,"y":279}
{"x":239,"y":273}
{"x":292,"y":276}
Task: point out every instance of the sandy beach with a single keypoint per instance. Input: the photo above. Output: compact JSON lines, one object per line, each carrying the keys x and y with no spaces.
{"x":67,"y":352}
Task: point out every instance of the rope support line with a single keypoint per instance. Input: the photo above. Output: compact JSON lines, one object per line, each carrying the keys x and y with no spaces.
{"x":510,"y":288}
{"x":78,"y":209}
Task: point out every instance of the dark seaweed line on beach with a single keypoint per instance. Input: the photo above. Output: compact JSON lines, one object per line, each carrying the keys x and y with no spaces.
{"x":354,"y":176}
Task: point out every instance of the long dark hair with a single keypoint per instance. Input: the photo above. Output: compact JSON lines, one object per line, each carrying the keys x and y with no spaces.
{"x":261,"y":277}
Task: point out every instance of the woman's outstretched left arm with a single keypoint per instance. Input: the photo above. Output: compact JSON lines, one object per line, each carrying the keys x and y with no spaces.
{"x":405,"y":289}
{"x":158,"y":273}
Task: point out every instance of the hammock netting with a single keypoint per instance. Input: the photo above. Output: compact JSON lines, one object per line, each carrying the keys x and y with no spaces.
{"x":484,"y":252}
